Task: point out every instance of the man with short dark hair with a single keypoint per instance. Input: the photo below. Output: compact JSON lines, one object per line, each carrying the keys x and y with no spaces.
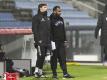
{"x":102,"y":24}
{"x":41,"y":31}
{"x":59,"y":38}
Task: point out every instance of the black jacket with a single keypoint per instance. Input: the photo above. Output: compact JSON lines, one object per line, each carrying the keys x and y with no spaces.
{"x":102,"y":24}
{"x":57,"y":28}
{"x":41,"y":29}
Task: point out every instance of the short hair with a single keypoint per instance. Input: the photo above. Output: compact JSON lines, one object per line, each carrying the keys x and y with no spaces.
{"x":41,"y":5}
{"x":56,"y":8}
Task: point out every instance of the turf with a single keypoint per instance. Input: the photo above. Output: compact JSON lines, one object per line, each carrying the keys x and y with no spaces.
{"x":80,"y":73}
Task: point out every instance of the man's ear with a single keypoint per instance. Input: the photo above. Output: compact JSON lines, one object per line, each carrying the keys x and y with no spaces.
{"x":54,"y":11}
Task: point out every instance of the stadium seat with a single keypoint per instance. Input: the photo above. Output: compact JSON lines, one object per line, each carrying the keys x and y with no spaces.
{"x":15,"y":24}
{"x":7,"y":5}
{"x":6,"y":16}
{"x":23,"y":14}
{"x":81,"y":21}
{"x":24,"y":9}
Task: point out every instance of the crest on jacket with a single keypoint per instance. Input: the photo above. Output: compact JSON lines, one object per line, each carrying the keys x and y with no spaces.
{"x":58,"y":23}
{"x":42,"y":20}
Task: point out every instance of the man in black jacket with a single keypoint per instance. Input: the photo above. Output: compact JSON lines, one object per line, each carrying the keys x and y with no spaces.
{"x":59,"y":37}
{"x":41,"y":31}
{"x":102,"y":24}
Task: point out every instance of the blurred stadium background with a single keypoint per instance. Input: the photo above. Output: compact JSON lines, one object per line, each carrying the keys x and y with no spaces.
{"x":80,"y":21}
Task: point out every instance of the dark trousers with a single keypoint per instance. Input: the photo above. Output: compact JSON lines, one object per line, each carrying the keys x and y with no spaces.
{"x":41,"y":53}
{"x":104,"y":53}
{"x":59,"y":53}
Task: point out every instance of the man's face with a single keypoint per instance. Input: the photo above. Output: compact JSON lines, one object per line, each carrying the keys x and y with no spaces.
{"x":43,"y":8}
{"x":58,"y":11}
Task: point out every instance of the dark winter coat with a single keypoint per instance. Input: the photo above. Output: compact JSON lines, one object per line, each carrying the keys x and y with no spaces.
{"x":41,"y":29}
{"x":102,"y":24}
{"x":57,"y":28}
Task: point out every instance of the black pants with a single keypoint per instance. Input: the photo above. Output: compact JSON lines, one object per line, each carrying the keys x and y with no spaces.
{"x":59,"y":53}
{"x":104,"y":52}
{"x":41,"y":53}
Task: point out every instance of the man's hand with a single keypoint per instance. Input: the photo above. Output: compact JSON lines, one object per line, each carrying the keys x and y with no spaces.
{"x":40,"y":41}
{"x":35,"y":45}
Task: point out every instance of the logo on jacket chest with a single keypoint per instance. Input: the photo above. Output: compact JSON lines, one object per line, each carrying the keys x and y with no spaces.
{"x":42,"y":20}
{"x":58,"y":23}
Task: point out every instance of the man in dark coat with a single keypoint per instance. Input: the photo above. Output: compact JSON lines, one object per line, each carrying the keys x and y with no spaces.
{"x":41,"y":31}
{"x":59,"y":38}
{"x":102,"y":24}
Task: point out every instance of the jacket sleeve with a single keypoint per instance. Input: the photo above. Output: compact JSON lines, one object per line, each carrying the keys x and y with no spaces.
{"x":35,"y":24}
{"x":99,"y":25}
{"x":51,"y":29}
{"x":64,"y":31}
